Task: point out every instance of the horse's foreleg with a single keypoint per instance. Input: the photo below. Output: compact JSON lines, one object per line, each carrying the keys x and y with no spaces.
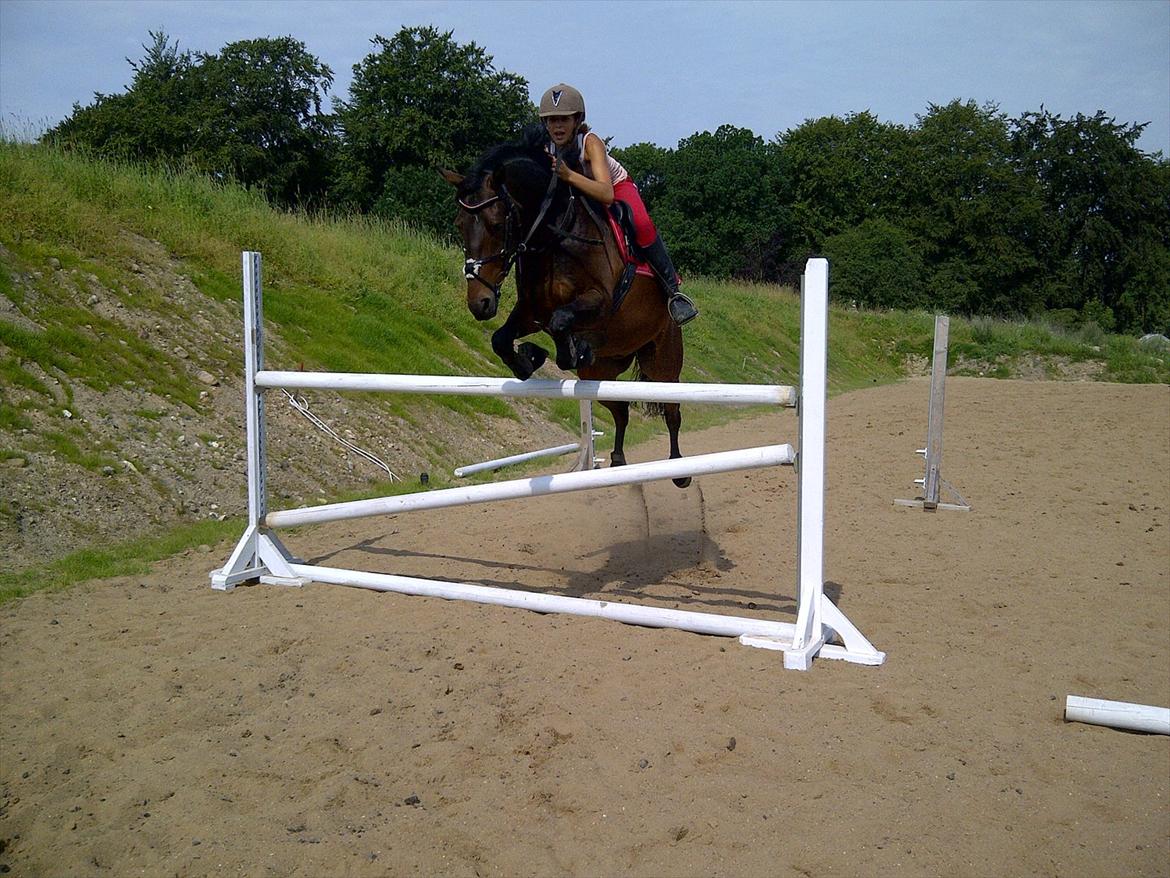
{"x":526,"y":359}
{"x":573,"y":352}
{"x":673,"y":416}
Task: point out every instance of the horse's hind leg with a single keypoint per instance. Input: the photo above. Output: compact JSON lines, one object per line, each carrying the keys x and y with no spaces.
{"x":661,"y":360}
{"x":672,"y":413}
{"x":607,"y":370}
{"x":621,"y":419}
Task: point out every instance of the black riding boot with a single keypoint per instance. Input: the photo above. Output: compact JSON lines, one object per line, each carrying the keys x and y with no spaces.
{"x":682,"y":310}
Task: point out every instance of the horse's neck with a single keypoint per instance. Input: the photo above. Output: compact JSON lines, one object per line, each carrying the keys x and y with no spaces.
{"x":586,"y":265}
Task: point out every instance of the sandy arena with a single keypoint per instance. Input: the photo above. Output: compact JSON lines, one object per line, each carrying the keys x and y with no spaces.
{"x":151,"y":726}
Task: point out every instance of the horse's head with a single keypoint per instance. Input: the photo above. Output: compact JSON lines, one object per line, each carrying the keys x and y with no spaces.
{"x":495,"y":200}
{"x":484,"y":222}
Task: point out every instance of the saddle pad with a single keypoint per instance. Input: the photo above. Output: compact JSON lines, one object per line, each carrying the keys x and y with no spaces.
{"x":619,"y":235}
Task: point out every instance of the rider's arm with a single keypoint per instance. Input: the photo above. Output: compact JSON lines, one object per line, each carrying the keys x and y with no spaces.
{"x":600,"y":187}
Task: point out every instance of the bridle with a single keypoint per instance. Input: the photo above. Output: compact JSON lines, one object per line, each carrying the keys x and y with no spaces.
{"x":510,"y":254}
{"x":507,"y":254}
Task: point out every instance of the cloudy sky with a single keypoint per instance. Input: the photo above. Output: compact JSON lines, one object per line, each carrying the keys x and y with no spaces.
{"x":656,"y":71}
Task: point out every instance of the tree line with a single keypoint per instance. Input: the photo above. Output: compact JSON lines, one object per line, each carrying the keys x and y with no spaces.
{"x":966,"y":211}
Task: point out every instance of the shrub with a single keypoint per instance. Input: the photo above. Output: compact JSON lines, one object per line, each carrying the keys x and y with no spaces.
{"x":876,"y":265}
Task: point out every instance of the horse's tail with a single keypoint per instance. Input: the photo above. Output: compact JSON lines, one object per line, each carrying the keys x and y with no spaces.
{"x":650,"y":409}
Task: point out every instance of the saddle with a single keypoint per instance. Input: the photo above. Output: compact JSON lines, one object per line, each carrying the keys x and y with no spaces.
{"x":621,"y":223}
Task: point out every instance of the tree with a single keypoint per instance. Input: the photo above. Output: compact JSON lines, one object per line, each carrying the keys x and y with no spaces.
{"x":1107,"y":246}
{"x":648,"y":166}
{"x":260,"y":117}
{"x":977,"y":220}
{"x":252,"y":113}
{"x":421,"y":101}
{"x":840,"y":172}
{"x":150,"y":121}
{"x":876,"y":265}
{"x":716,"y":201}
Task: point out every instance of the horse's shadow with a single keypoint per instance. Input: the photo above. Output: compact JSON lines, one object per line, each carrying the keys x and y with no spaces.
{"x":660,"y":567}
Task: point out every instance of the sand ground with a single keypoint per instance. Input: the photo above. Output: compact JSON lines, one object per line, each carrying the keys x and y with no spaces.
{"x":151,"y":726}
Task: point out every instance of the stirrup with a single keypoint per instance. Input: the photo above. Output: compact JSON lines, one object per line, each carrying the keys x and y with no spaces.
{"x":682,"y":309}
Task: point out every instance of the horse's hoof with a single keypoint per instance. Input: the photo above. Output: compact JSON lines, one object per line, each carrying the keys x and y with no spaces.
{"x":574,"y":354}
{"x":533,"y":355}
{"x":584,"y":355}
{"x":560,"y":321}
{"x":682,"y":483}
{"x":617,"y":460}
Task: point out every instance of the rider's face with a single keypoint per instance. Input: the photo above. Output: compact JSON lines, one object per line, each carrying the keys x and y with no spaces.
{"x":561,"y":128}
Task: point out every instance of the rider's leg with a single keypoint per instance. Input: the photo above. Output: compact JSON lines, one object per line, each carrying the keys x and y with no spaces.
{"x":682,"y":309}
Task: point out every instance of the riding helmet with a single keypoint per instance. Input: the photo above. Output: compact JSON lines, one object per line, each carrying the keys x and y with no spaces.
{"x":562,"y":100}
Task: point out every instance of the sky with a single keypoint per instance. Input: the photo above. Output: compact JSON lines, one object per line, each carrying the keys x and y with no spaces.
{"x":654,"y":71}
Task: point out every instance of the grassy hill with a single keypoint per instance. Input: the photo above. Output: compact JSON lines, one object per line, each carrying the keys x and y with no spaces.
{"x":121,"y":358}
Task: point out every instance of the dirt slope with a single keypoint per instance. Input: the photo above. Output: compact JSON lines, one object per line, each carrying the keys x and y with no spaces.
{"x":164,"y":462}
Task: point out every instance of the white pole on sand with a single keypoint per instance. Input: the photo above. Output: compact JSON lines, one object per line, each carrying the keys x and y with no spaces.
{"x":1117,"y":714}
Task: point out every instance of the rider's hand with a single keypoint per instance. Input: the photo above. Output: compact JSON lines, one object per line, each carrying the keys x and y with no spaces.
{"x":561,"y":168}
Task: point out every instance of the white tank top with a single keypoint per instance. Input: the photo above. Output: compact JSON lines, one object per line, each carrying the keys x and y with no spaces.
{"x":616,"y":172}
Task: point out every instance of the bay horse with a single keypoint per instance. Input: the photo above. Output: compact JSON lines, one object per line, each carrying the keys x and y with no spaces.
{"x":515,"y":212}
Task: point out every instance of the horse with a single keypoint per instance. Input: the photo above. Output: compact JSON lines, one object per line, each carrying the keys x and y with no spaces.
{"x":572,"y":280}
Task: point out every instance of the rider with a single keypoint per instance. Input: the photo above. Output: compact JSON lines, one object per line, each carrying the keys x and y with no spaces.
{"x":562,"y":109}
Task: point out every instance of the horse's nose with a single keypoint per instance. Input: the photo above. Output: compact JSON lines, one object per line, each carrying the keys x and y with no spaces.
{"x":481,"y":306}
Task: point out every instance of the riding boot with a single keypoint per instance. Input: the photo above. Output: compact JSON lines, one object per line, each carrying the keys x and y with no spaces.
{"x":682,"y":309}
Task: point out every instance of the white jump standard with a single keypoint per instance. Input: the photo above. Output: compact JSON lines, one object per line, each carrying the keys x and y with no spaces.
{"x":260,"y":555}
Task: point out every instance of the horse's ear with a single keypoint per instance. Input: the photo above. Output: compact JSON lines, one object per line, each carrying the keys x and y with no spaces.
{"x":535,"y":135}
{"x":450,"y":176}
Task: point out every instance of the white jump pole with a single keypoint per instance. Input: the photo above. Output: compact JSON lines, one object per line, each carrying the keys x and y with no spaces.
{"x":538,"y":486}
{"x":586,"y":456}
{"x":513,"y":459}
{"x":1117,"y":714}
{"x":617,"y":611}
{"x":534,"y":388}
{"x":260,"y":555}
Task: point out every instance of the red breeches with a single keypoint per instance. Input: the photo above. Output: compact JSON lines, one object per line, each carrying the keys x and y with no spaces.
{"x":644,"y":229}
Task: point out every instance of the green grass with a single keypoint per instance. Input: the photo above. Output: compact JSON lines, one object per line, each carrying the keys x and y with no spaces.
{"x":351,"y":293}
{"x":1006,"y":343}
{"x":129,"y":558}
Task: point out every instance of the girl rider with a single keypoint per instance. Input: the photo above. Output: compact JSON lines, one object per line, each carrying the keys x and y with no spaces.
{"x":562,"y":109}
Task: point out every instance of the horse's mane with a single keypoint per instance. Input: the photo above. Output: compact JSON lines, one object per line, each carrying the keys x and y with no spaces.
{"x":526,"y":155}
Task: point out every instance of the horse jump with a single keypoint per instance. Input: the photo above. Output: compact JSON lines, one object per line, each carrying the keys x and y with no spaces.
{"x":260,"y":555}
